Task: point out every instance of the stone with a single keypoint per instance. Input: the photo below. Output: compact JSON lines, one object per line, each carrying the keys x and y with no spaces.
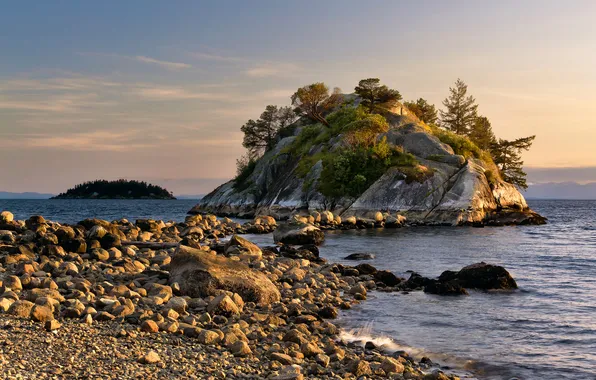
{"x":282,"y":358}
{"x":150,"y":357}
{"x":202,"y":274}
{"x":386,"y":277}
{"x":328,"y":312}
{"x":298,"y":234}
{"x":482,"y":276}
{"x":149,"y":326}
{"x":13,"y":282}
{"x":52,"y":325}
{"x":21,"y":308}
{"x":240,"y":348}
{"x":358,"y":289}
{"x":391,"y":365}
{"x":359,"y":368}
{"x":6,"y":217}
{"x":239,"y":246}
{"x":360,"y":256}
{"x":209,"y":337}
{"x":223,"y":305}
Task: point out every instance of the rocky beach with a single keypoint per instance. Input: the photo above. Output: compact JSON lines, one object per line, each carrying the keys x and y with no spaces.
{"x":194,"y":299}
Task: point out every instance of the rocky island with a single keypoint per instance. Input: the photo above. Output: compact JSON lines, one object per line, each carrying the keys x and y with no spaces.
{"x":357,"y":158}
{"x":119,"y":189}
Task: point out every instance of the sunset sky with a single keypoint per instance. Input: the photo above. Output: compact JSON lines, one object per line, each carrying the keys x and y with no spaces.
{"x":158,"y":90}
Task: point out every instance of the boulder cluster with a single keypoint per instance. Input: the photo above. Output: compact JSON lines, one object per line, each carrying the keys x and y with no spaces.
{"x":181,"y":298}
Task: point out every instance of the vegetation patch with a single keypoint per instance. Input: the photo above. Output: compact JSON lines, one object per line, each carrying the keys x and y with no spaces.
{"x":244,"y":170}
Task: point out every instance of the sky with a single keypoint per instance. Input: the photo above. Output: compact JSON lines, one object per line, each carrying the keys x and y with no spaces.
{"x":158,"y":91}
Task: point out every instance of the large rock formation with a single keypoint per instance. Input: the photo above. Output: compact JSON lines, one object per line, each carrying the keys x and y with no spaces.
{"x":460,"y":190}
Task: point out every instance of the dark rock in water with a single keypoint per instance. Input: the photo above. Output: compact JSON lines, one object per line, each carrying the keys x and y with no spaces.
{"x":360,"y":256}
{"x":387,"y":278}
{"x":415,"y":281}
{"x":366,"y":269}
{"x":312,"y":248}
{"x":369,"y":346}
{"x":476,"y":276}
{"x":485,"y":276}
{"x":449,"y":288}
{"x":308,"y":252}
{"x":201,"y":274}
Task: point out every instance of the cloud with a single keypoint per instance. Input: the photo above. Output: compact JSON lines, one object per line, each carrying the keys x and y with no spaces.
{"x":66,"y":103}
{"x":96,"y":140}
{"x":272,"y":70}
{"x":218,"y":58}
{"x":165,"y":64}
{"x":141,"y":58}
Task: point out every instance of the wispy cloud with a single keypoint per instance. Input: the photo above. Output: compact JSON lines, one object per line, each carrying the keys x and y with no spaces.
{"x":166,"y":64}
{"x":112,"y":141}
{"x":169,"y":65}
{"x":272,"y":69}
{"x":218,"y":58}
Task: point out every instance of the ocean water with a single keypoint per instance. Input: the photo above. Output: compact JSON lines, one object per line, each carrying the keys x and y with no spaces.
{"x":74,"y":210}
{"x":544,"y":330}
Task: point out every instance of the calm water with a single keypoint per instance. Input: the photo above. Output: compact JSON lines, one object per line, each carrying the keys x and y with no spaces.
{"x":75,"y":210}
{"x":546,"y":330}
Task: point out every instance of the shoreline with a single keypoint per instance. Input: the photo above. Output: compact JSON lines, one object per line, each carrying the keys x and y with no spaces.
{"x":123,"y":295}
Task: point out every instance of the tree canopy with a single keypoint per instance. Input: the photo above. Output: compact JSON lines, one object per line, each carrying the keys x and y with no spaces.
{"x":423,"y":110}
{"x":260,"y":134}
{"x":315,"y":100}
{"x":374,"y":93}
{"x":461,"y":110}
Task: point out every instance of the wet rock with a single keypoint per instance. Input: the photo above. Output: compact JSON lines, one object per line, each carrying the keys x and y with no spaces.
{"x":360,"y":256}
{"x":481,"y":276}
{"x":366,"y":269}
{"x":388,"y":278}
{"x":447,"y":288}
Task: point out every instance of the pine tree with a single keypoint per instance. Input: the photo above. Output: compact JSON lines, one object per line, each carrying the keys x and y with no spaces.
{"x":481,"y":133}
{"x":373,"y":93}
{"x":507,"y":157}
{"x":460,"y":113}
{"x":423,"y":110}
{"x":260,"y":135}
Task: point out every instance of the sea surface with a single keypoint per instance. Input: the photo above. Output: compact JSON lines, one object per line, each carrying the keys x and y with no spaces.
{"x":544,"y":330}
